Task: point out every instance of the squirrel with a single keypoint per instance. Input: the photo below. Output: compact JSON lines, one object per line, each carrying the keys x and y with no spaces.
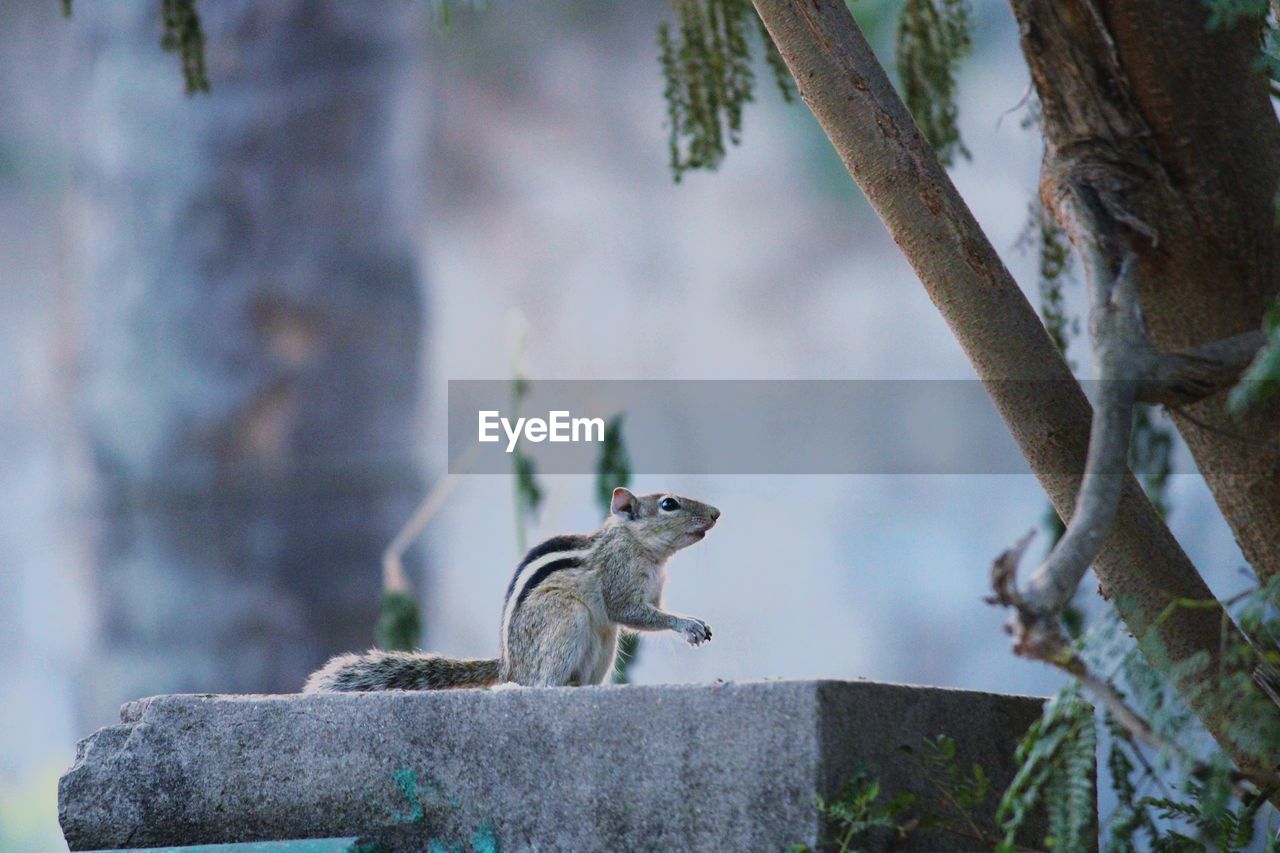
{"x":564,"y":606}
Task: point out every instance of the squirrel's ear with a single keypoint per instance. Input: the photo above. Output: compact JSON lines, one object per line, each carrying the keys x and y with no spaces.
{"x":623,"y":504}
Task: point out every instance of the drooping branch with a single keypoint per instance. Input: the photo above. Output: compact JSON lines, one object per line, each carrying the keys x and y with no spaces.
{"x":1181,"y":378}
{"x":1141,"y":566}
{"x":1131,"y":371}
{"x":1116,"y":336}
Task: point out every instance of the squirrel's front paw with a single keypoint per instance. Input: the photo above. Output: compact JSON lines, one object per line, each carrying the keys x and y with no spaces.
{"x":695,"y":631}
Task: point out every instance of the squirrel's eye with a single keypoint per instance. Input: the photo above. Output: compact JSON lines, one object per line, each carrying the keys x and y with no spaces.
{"x":669,"y":504}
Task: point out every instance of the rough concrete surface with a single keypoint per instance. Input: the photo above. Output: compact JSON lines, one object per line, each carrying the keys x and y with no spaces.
{"x":707,"y":767}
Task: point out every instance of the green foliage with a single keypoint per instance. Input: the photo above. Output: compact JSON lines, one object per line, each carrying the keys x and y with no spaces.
{"x":1055,"y":527}
{"x":957,"y":798}
{"x":960,"y":794}
{"x":1269,"y":58}
{"x":1071,"y":795}
{"x":613,"y":469}
{"x":859,"y":810}
{"x":1055,"y":267}
{"x":1225,"y":13}
{"x":628,"y":653}
{"x":183,"y":36}
{"x":1055,"y":759}
{"x":528,"y":494}
{"x":1258,"y":615}
{"x":933,"y":36}
{"x":614,"y":466}
{"x":1251,"y":667}
{"x":1255,"y":13}
{"x":707,"y":66}
{"x":399,"y":623}
{"x":1132,"y":815}
{"x":1205,"y":818}
{"x":1042,"y":235}
{"x":1241,"y":671}
{"x":1151,"y":455}
{"x":1259,"y":382}
{"x":443,"y":12}
{"x":1195,"y":806}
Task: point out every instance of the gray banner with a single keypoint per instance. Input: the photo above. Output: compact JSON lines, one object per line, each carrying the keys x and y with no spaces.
{"x":734,"y":427}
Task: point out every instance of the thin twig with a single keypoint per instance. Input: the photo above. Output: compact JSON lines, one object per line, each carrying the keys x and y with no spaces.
{"x":1185,"y":377}
{"x":1062,"y":656}
{"x":394,"y":578}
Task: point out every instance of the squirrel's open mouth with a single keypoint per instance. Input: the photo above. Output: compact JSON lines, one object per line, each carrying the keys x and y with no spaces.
{"x":698,"y":527}
{"x":707,"y":524}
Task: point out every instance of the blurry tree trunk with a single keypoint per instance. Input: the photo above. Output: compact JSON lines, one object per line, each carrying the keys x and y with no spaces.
{"x":252,"y":320}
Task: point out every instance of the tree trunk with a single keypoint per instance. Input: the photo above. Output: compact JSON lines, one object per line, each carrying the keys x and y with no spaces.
{"x":1187,"y":151}
{"x":1141,"y":565}
{"x":251,"y":334}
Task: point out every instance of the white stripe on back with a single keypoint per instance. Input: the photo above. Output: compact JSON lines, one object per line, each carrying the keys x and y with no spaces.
{"x":522,"y":580}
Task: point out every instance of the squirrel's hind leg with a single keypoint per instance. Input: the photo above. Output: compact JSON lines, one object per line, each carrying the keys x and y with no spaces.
{"x":554,"y":644}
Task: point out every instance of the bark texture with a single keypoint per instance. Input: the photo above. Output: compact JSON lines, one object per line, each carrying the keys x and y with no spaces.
{"x":1141,"y":565}
{"x":250,"y":342}
{"x":1169,"y":124}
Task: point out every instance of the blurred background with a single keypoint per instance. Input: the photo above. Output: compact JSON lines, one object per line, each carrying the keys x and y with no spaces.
{"x":227,"y":321}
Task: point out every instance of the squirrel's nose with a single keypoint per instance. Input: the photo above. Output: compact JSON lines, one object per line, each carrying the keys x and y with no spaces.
{"x":715,"y":513}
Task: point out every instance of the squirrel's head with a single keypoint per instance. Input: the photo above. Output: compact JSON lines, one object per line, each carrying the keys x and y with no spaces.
{"x":663,"y":521}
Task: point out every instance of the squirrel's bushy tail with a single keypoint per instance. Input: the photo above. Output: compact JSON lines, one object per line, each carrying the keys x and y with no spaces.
{"x":379,"y":670}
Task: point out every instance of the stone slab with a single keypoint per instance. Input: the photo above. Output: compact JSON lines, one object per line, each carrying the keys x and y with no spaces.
{"x":728,"y":766}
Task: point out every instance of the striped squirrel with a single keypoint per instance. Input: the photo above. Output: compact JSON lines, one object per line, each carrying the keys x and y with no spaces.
{"x":564,"y":606}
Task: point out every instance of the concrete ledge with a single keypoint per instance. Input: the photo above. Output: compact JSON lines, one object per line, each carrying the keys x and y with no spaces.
{"x":706,"y":767}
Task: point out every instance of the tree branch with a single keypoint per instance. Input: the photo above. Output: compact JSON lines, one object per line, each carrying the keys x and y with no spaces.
{"x":1131,"y":370}
{"x":394,"y":578}
{"x":1118,"y":347}
{"x":1182,"y":378}
{"x":1141,"y":565}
